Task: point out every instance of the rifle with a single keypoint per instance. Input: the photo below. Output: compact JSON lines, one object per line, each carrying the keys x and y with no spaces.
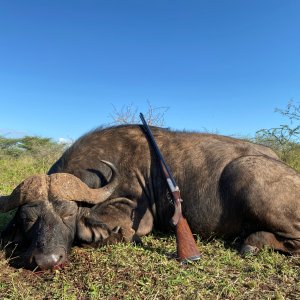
{"x":186,"y":246}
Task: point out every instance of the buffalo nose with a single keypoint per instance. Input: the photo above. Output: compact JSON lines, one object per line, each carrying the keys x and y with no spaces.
{"x":49,"y":261}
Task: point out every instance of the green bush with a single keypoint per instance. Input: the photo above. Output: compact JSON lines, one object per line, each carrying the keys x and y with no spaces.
{"x":285,"y":139}
{"x":29,"y":146}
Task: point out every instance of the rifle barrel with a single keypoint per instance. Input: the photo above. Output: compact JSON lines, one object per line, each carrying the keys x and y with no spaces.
{"x":154,"y":144}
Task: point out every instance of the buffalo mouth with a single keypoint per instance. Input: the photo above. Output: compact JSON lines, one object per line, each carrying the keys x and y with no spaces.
{"x":35,"y":260}
{"x":53,"y":260}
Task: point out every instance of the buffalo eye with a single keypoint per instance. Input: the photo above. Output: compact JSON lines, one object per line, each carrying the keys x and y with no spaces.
{"x":27,"y":219}
{"x":28,"y":222}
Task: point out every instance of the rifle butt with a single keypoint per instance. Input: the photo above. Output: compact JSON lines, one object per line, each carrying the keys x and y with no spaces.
{"x":187,"y":249}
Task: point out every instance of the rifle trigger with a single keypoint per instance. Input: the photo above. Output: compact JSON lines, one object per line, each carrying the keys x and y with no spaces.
{"x":169,"y":197}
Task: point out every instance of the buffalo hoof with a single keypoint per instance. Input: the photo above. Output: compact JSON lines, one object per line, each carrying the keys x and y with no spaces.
{"x":248,"y":250}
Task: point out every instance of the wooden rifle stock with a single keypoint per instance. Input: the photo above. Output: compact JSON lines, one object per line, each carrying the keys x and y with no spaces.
{"x":187,"y":249}
{"x":186,"y":246}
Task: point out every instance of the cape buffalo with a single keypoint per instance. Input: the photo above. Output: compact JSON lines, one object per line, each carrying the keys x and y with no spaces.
{"x":108,"y":187}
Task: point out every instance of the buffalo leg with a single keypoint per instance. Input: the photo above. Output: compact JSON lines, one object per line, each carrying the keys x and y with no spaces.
{"x":261,"y":195}
{"x":258,"y":240}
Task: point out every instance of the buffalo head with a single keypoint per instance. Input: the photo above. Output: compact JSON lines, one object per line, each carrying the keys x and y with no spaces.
{"x":44,"y":226}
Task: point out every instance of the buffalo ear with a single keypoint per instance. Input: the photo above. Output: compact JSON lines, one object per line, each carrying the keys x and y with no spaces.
{"x":83,"y":232}
{"x":90,"y":230}
{"x":12,"y":232}
{"x":94,"y":233}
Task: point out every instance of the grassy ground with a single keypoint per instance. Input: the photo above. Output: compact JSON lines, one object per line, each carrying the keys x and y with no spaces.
{"x":145,"y":272}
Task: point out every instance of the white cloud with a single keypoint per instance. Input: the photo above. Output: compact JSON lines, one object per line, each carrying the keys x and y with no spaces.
{"x":65,"y":141}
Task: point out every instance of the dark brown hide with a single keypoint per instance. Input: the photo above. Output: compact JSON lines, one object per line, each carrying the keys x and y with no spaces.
{"x":230,"y":187}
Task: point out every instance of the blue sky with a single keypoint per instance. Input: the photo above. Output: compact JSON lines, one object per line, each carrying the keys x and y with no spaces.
{"x":220,"y":66}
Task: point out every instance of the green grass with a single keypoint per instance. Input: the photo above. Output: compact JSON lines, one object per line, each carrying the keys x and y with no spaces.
{"x":125,"y":271}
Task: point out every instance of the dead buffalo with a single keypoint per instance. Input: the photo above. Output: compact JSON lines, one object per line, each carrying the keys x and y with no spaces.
{"x":108,"y":187}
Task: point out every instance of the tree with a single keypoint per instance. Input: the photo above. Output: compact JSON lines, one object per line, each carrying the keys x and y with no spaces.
{"x":129,"y":114}
{"x":29,"y":145}
{"x":284,"y":139}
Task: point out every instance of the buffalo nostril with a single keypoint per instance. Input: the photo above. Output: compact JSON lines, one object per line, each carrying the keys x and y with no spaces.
{"x":55,"y":258}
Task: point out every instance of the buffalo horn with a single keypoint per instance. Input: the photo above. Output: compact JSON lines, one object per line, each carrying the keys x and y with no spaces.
{"x":32,"y":189}
{"x":58,"y":186}
{"x":64,"y":186}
